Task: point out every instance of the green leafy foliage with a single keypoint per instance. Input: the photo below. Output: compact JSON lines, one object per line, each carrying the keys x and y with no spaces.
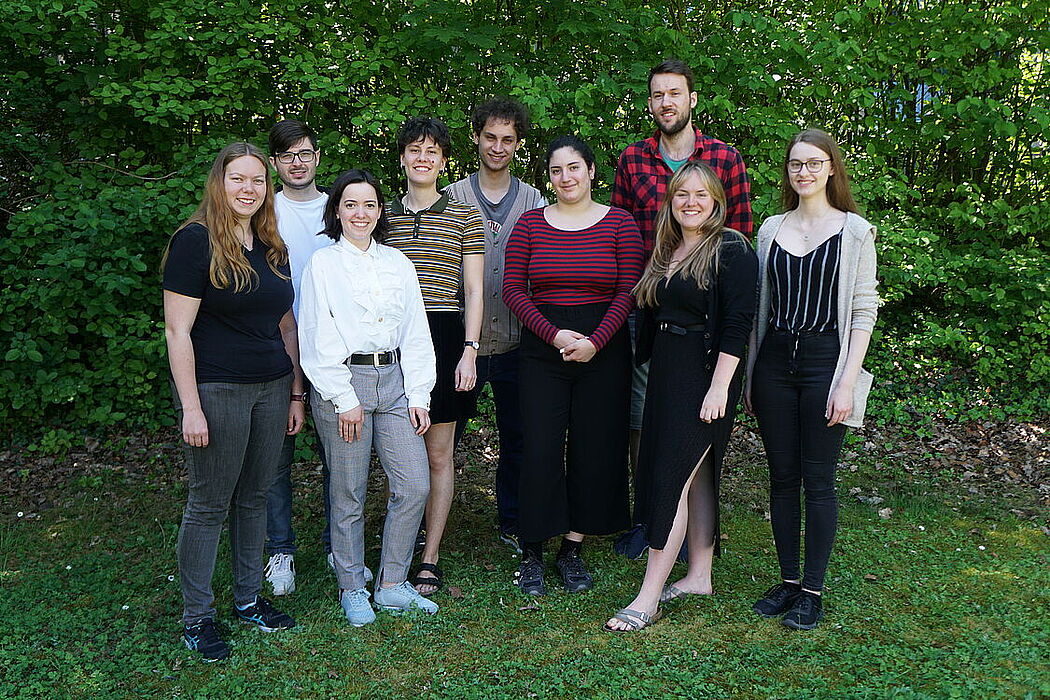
{"x":112,"y":110}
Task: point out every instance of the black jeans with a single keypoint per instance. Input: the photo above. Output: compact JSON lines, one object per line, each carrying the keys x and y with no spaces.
{"x":789,"y":392}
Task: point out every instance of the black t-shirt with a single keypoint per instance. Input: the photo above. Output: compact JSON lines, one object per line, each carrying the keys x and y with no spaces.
{"x":236,"y":335}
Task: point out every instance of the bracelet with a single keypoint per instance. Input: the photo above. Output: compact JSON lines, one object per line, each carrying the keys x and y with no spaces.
{"x":299,"y":397}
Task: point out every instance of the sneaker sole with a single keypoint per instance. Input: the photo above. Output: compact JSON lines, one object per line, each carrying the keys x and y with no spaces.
{"x":511,"y":542}
{"x":791,"y":624}
{"x":284,"y":590}
{"x":205,"y":659}
{"x":394,"y":610}
{"x":261,"y":628}
{"x":768,"y":616}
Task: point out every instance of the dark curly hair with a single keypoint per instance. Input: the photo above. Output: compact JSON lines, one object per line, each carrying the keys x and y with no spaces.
{"x":332,"y":227}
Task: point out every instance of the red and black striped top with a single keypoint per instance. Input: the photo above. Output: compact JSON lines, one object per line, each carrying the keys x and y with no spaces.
{"x":548,"y":265}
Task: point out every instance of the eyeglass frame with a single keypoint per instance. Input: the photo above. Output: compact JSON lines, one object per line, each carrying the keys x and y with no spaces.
{"x":821,"y":161}
{"x":288,"y":157}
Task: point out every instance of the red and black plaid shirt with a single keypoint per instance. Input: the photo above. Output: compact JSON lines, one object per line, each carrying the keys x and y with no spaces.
{"x":642,"y":177}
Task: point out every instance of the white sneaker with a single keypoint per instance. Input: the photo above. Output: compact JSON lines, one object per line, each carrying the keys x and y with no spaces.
{"x":331,"y":565}
{"x":403,"y":598}
{"x":280,"y":572}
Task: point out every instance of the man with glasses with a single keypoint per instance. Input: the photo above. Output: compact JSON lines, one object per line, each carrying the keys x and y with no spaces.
{"x":300,"y":208}
{"x":642,"y":174}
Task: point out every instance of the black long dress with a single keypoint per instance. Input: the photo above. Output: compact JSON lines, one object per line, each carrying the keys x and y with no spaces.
{"x":674,"y":438}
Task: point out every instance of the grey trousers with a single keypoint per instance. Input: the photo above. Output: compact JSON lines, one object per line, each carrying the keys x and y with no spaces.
{"x":246,"y":427}
{"x":403,"y":455}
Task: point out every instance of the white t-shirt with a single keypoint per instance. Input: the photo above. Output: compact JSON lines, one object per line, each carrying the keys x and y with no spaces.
{"x":298,"y":223}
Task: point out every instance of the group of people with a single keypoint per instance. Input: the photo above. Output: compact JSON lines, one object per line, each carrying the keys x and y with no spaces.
{"x":610,"y":335}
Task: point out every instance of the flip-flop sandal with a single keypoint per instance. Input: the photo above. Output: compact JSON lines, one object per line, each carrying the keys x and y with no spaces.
{"x":437,"y":579}
{"x":636,"y":620}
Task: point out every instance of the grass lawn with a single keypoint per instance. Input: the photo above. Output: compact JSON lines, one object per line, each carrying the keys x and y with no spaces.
{"x":945,"y":594}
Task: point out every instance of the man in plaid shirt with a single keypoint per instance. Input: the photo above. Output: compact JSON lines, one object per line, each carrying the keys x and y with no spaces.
{"x":641,"y":181}
{"x":645,"y":167}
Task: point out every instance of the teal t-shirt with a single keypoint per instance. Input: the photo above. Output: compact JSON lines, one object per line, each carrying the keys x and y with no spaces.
{"x":674,"y":165}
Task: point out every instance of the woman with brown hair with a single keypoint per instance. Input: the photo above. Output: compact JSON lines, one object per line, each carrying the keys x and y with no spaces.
{"x":816,"y":309}
{"x":234,"y":358}
{"x":697,"y":298}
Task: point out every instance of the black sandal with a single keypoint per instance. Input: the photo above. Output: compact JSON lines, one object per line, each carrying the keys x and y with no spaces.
{"x":437,"y":579}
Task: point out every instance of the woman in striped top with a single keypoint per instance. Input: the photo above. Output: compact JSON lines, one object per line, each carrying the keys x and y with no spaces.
{"x":817,"y":307}
{"x":570,"y":268}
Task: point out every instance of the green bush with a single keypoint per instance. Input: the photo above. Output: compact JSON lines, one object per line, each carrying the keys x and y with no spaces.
{"x":114,"y":109}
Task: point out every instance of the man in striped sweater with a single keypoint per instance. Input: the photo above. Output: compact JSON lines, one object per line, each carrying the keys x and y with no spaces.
{"x":499,"y":127}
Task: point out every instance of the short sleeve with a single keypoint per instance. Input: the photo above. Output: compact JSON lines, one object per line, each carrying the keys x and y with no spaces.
{"x":473,"y":233}
{"x":189,"y":257}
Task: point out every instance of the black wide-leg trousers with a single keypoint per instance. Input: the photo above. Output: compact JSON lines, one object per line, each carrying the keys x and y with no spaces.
{"x":574,"y":420}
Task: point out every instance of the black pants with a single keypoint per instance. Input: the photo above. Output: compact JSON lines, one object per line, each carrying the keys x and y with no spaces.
{"x":789,"y":392}
{"x":574,"y":419}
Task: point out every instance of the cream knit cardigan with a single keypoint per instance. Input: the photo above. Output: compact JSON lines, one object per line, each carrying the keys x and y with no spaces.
{"x":858,"y":300}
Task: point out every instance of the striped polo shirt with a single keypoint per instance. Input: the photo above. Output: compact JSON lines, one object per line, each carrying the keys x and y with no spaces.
{"x":436,"y":240}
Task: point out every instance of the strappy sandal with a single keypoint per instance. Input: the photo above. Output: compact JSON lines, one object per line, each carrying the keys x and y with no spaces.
{"x":672,"y":592}
{"x":636,"y":620}
{"x":437,"y":578}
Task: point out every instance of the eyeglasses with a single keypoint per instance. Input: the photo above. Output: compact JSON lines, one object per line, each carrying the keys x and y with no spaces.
{"x":288,"y":157}
{"x":813,"y":165}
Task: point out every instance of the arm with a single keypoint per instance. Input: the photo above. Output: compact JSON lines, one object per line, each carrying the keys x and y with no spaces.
{"x":840,"y":402}
{"x":630,"y":257}
{"x":473,"y":295}
{"x":738,"y":198}
{"x":622,"y":195}
{"x":290,"y":336}
{"x":516,"y":284}
{"x":713,"y":406}
{"x":179,"y":314}
{"x":864,"y":313}
{"x":322,"y":351}
{"x":737,"y":292}
{"x":418,"y":363}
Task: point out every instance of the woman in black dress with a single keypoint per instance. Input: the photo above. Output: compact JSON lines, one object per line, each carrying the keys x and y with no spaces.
{"x":697,"y":298}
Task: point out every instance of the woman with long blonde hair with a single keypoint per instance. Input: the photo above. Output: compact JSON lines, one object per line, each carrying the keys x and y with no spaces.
{"x":234,"y":356}
{"x":697,"y":299}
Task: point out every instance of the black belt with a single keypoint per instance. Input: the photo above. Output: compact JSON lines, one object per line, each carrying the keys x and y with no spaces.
{"x":376,"y":359}
{"x":667,"y":327}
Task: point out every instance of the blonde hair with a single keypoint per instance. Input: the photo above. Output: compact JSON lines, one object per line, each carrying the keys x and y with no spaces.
{"x":229,"y":267}
{"x":699,"y":262}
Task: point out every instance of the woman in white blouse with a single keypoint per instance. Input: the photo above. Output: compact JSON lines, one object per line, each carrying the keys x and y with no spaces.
{"x":365,"y":345}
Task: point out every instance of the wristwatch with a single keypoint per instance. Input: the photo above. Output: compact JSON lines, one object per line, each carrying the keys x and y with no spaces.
{"x":299,"y":397}
{"x":472,"y":344}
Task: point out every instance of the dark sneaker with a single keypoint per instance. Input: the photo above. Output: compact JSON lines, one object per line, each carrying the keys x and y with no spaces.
{"x":805,"y":613}
{"x":529,"y":577}
{"x":264,"y":616}
{"x":777,"y":600}
{"x":574,"y":574}
{"x":510,"y":539}
{"x":632,"y":544}
{"x":203,"y":637}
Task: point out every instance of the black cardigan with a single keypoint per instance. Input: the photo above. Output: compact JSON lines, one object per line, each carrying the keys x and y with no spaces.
{"x":731,"y":305}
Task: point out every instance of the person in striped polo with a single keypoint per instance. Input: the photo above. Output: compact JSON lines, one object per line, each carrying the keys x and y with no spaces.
{"x":445,"y":240}
{"x":570,"y":268}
